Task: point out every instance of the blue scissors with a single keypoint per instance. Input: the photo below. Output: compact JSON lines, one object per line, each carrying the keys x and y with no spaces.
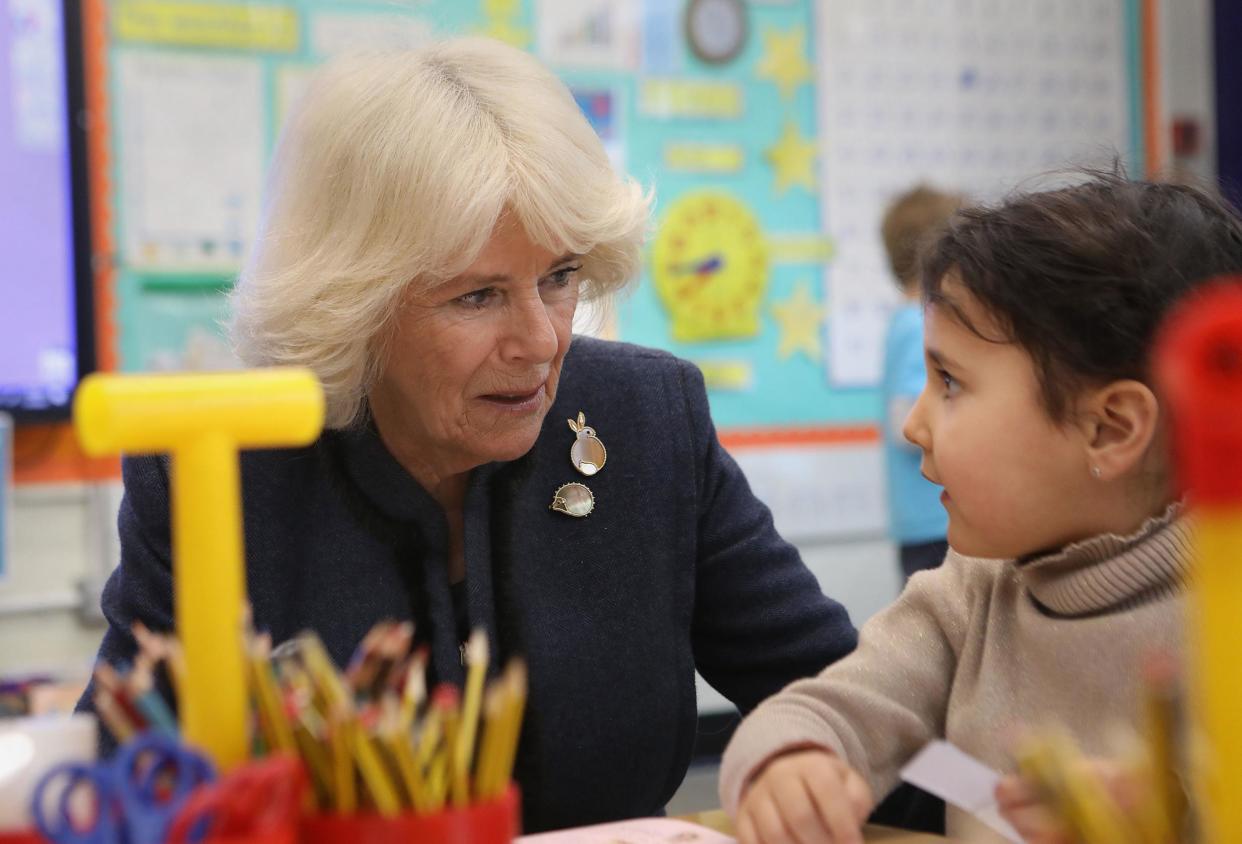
{"x":135,"y":795}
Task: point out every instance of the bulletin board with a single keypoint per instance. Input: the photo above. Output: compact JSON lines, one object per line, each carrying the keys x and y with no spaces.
{"x":756,"y":121}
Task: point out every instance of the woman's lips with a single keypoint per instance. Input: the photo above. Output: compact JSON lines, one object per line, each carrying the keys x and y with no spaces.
{"x":518,"y":402}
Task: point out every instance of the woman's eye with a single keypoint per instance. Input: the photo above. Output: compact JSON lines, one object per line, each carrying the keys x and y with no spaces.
{"x":477,"y":298}
{"x":563,"y":276}
{"x":950,"y":383}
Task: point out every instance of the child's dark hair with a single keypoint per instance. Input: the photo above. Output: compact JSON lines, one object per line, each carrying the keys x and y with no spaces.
{"x":1081,"y":276}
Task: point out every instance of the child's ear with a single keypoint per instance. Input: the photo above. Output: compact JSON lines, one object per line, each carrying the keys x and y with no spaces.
{"x":1119,"y":421}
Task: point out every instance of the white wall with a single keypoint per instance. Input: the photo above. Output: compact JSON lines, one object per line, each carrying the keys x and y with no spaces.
{"x":1187,"y":72}
{"x":62,"y":537}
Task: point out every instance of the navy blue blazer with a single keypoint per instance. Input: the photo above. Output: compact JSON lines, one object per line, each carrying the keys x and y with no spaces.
{"x":678,"y":567}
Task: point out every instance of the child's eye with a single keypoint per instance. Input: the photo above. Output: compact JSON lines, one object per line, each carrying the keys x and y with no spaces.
{"x":951,"y":385}
{"x":476,"y":298}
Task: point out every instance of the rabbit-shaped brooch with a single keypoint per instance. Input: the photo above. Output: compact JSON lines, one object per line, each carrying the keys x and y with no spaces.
{"x":587,"y":453}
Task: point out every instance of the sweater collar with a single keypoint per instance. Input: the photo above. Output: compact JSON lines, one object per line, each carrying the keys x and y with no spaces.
{"x":1105,"y":571}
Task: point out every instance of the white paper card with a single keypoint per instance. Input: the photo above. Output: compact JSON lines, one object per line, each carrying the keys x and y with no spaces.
{"x":192,"y":148}
{"x":637,"y":831}
{"x":335,"y":34}
{"x":595,"y":34}
{"x":961,"y":781}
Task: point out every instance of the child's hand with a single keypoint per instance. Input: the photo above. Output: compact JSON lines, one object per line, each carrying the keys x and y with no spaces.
{"x":804,"y":797}
{"x":1020,"y":803}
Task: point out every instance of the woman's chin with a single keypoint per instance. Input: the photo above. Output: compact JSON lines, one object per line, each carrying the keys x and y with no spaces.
{"x":512,"y":443}
{"x":516,"y":452}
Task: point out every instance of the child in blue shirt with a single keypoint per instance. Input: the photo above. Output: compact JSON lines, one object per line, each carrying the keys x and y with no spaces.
{"x":917,"y":522}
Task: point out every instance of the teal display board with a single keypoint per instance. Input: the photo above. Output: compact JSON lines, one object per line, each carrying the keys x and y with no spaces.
{"x":772,"y":133}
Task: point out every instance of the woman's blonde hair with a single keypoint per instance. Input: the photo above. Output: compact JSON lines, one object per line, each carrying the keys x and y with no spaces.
{"x":393,"y":172}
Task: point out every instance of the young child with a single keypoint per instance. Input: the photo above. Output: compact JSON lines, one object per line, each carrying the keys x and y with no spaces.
{"x":1069,"y":546}
{"x":916,"y":521}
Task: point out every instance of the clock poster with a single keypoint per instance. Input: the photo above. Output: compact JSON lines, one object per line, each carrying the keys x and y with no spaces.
{"x":710,"y":267}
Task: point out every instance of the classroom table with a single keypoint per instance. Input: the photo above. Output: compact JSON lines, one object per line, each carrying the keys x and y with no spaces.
{"x":716,"y":819}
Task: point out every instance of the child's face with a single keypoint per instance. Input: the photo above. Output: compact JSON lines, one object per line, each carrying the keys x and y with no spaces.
{"x":1014,"y":480}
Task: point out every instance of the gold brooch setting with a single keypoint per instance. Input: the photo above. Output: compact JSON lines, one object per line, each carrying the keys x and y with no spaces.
{"x":588,"y":456}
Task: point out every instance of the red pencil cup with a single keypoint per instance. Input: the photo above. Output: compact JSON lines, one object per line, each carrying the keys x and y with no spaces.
{"x":21,"y":836}
{"x":283,"y":834}
{"x":493,"y":822}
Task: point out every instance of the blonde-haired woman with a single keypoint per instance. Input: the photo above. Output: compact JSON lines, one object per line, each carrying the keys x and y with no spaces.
{"x":433,"y":220}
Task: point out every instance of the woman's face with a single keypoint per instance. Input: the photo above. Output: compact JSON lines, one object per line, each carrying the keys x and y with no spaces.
{"x":473,"y":365}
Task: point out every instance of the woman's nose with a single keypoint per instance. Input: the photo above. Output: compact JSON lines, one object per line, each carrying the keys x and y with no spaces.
{"x":531,"y":336}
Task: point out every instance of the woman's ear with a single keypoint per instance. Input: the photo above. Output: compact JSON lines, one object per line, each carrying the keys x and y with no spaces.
{"x":1119,"y":421}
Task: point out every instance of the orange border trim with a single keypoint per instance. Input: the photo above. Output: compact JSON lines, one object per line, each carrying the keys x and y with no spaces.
{"x":50,"y":453}
{"x":828,"y":435}
{"x":1153,"y":135}
{"x":99,"y":156}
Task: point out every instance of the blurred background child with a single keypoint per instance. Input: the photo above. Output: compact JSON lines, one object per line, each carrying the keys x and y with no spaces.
{"x":916,"y":520}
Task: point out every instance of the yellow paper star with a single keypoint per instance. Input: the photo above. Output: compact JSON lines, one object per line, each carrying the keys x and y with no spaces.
{"x":784,"y":60}
{"x":800,"y":318}
{"x":514,"y":36}
{"x":793,"y":158}
{"x":502,"y":16}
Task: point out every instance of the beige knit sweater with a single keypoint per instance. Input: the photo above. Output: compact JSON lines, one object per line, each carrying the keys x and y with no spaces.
{"x":977,"y":649}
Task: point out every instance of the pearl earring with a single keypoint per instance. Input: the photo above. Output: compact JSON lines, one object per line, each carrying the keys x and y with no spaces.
{"x":1095,"y":472}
